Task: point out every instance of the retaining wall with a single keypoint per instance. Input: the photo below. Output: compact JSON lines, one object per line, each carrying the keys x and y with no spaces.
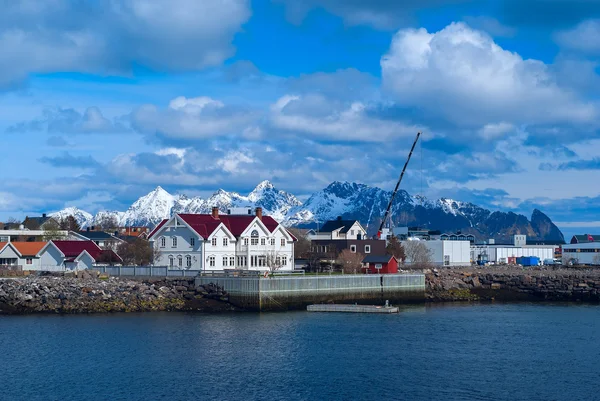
{"x":281,"y":293}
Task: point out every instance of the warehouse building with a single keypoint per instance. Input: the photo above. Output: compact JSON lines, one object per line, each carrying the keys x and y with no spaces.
{"x":508,"y":253}
{"x":581,"y":253}
{"x":446,"y":253}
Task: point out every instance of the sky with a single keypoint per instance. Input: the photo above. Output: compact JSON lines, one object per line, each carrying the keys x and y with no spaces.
{"x":100,"y":102}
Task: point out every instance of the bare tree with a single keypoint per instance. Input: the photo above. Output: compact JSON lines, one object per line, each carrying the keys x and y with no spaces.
{"x":107,"y":223}
{"x":394,"y":247}
{"x":69,"y":223}
{"x":52,"y":230}
{"x":351,"y":262}
{"x":302,"y":246}
{"x":417,"y":254}
{"x":137,"y":252}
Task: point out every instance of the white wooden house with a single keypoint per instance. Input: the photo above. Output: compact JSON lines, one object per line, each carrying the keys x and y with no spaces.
{"x":217,"y":242}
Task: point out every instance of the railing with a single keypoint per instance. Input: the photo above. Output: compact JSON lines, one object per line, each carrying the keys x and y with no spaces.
{"x":145,"y":271}
{"x":248,"y":273}
{"x":11,"y":267}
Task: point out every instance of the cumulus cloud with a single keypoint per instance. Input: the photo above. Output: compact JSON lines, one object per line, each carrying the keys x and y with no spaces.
{"x":191,"y":118}
{"x":70,"y":121}
{"x":112,"y":37}
{"x":464,"y":76}
{"x":584,"y":38}
{"x":325,"y":119}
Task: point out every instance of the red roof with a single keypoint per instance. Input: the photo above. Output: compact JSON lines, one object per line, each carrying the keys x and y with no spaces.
{"x":162,"y":223}
{"x":72,"y":249}
{"x":205,"y":224}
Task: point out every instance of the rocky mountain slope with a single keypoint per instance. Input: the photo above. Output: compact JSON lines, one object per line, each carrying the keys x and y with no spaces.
{"x":349,"y":200}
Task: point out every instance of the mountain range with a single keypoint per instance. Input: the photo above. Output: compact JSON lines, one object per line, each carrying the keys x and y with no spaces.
{"x":349,"y":200}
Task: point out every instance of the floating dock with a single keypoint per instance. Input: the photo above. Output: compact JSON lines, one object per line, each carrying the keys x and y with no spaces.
{"x":352,"y":308}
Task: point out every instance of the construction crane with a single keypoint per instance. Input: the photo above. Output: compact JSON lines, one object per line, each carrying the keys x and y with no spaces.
{"x":389,"y":207}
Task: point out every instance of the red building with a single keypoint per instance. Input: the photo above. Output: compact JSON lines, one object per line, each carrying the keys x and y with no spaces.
{"x":380,"y":264}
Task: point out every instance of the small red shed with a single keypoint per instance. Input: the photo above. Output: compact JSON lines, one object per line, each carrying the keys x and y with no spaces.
{"x":380,"y":264}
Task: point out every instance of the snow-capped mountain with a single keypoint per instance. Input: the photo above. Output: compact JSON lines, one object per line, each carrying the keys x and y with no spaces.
{"x":82,"y":217}
{"x":349,"y":200}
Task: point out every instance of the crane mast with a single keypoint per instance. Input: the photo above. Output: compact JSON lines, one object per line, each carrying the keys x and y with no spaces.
{"x":389,"y":207}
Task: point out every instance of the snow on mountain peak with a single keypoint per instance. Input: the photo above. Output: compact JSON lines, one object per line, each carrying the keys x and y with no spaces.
{"x":83,"y":218}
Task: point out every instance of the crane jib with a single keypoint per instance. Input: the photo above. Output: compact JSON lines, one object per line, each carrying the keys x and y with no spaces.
{"x":387,"y":211}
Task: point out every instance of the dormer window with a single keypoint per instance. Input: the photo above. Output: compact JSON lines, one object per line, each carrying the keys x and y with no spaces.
{"x":174,"y":239}
{"x":254,"y":237}
{"x":224,"y":241}
{"x":214,"y":241}
{"x":263,"y":241}
{"x":163,"y":242}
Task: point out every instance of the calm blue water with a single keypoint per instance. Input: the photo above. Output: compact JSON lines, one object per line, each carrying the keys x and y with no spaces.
{"x":481,"y":352}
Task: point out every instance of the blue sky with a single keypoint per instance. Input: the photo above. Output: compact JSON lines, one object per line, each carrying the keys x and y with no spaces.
{"x":102,"y":101}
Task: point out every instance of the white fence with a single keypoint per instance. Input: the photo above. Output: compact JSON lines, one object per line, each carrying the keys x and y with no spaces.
{"x":145,"y":271}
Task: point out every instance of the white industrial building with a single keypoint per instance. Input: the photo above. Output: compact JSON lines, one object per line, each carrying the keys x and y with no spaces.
{"x":581,"y":254}
{"x":507,"y":254}
{"x":447,"y":253}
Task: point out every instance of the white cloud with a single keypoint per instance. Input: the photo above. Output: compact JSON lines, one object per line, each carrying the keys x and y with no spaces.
{"x":462,"y":75}
{"x":325,"y":119}
{"x":232,"y":162}
{"x":112,"y":37}
{"x":585,"y":37}
{"x":495,"y":131}
{"x":191,"y":118}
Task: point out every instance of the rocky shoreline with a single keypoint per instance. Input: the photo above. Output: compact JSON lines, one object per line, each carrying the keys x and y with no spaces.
{"x":34,"y":294}
{"x":512,"y":284}
{"x":96,"y":294}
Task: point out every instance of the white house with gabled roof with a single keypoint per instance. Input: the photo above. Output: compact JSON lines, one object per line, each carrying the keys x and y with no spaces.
{"x":218,"y":242}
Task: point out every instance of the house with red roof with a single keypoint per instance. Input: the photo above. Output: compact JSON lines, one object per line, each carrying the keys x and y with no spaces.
{"x":75,"y":255}
{"x":223,"y":241}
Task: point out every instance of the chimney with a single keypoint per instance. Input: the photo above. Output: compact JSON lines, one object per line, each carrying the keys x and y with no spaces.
{"x":44,"y":215}
{"x":215,"y":213}
{"x":259,"y":212}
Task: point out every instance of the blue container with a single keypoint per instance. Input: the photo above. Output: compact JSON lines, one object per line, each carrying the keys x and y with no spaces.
{"x":528,"y":260}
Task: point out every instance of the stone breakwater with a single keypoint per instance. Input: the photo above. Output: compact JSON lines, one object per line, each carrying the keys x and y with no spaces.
{"x":94,"y":295}
{"x":512,"y":284}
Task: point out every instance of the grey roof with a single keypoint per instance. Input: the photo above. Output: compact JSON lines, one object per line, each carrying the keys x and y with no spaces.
{"x":584,"y":238}
{"x":377,"y":258}
{"x":96,"y":235}
{"x":333,"y":225}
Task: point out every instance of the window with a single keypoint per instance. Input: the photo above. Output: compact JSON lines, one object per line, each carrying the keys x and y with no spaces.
{"x":211,"y":261}
{"x":367,"y":248}
{"x":284,"y":261}
{"x":224,"y":261}
{"x":174,"y":239}
{"x":192,"y":241}
{"x":283,"y":242}
{"x":278,"y":261}
{"x":171,"y":261}
{"x":231,"y":261}
{"x":246,"y":241}
{"x":351,"y":232}
{"x":163,"y":242}
{"x":180,"y":261}
{"x":272,"y":241}
{"x":188,"y":261}
{"x":214,"y":241}
{"x":224,"y":241}
{"x":353,"y":248}
{"x":263,"y":241}
{"x":262,"y":261}
{"x":29,"y":261}
{"x":254,"y":238}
